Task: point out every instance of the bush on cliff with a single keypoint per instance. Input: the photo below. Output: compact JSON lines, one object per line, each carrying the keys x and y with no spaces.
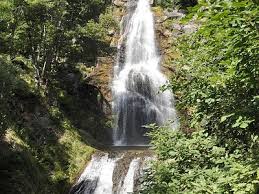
{"x":217,"y":88}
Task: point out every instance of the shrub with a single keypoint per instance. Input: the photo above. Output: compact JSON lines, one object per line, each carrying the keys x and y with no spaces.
{"x":173,"y":3}
{"x":217,"y":77}
{"x":198,"y":164}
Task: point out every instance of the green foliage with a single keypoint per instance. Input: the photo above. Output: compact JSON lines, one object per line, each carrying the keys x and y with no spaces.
{"x":99,"y":30}
{"x":218,"y":81}
{"x":174,"y":3}
{"x":8,"y":83}
{"x":47,"y":32}
{"x":43,"y":165}
{"x":42,"y":150}
{"x":7,"y":77}
{"x":198,"y":164}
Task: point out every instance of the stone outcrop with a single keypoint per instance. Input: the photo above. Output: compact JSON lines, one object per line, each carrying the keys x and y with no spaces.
{"x":102,"y":76}
{"x":168,"y":30}
{"x":120,"y":3}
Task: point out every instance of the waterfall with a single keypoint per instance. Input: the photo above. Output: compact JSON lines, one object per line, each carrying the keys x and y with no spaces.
{"x":128,"y":185}
{"x":112,"y":173}
{"x":138,"y":100}
{"x":97,"y":177}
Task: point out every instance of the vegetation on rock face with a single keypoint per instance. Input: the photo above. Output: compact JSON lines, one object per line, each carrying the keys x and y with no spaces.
{"x":218,"y":82}
{"x":217,"y":87}
{"x":47,"y":108}
{"x":176,"y":3}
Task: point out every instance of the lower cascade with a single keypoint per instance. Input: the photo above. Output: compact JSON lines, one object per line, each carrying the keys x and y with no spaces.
{"x":115,"y":172}
{"x":137,"y":102}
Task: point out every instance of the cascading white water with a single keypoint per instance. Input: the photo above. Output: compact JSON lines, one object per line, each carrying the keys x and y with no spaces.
{"x":112,"y":173}
{"x":137,"y":81}
{"x":128,"y":185}
{"x":137,"y":102}
{"x":97,"y":177}
{"x":105,"y":183}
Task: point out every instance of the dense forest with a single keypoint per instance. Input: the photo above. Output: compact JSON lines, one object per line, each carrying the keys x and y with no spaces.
{"x":48,"y":49}
{"x":216,"y":82}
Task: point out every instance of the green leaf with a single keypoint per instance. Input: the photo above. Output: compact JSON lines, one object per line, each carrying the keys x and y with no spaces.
{"x":244,"y":125}
{"x":225,"y":117}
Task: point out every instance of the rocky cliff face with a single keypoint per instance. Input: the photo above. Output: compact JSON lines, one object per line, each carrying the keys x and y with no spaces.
{"x":169,"y":28}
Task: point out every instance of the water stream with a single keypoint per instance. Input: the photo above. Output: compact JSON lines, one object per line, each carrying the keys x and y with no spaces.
{"x":115,"y":172}
{"x":138,"y":101}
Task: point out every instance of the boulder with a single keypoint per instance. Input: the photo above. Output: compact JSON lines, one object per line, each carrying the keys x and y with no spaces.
{"x":119,"y":3}
{"x":71,"y":77}
{"x":174,"y":14}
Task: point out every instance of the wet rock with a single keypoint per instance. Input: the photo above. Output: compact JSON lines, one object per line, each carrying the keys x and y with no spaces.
{"x":115,"y":164}
{"x":84,"y":187}
{"x":151,"y":2}
{"x":173,"y":14}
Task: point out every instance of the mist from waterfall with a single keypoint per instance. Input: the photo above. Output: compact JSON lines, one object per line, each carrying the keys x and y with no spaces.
{"x":138,"y":100}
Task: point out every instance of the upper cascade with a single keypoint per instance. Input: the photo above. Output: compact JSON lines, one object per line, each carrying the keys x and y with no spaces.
{"x":138,"y":100}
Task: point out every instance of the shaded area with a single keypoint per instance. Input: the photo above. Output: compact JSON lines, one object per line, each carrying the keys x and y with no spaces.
{"x":20,"y":172}
{"x":40,"y":128}
{"x":30,"y":145}
{"x":49,"y":112}
{"x":80,"y":99}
